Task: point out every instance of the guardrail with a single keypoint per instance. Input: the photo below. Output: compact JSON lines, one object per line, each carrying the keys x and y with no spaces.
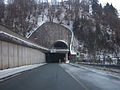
{"x":102,"y":65}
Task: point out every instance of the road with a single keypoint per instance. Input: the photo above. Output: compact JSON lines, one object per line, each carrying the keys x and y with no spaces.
{"x":47,"y":77}
{"x":93,"y":79}
{"x":61,"y":77}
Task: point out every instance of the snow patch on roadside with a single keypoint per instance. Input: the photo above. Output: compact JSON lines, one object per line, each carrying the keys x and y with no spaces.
{"x":12,"y":71}
{"x":102,"y":72}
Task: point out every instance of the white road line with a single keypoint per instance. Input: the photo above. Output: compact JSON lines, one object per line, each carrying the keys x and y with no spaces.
{"x":78,"y":81}
{"x":102,"y":72}
{"x":6,"y":78}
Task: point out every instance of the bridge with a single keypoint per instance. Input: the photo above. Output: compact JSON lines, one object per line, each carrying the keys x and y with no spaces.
{"x":21,"y":60}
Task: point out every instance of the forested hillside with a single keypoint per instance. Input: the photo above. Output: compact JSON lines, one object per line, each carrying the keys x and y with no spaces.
{"x":96,"y":27}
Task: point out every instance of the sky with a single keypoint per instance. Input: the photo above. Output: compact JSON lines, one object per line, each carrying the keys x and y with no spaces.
{"x":115,"y":3}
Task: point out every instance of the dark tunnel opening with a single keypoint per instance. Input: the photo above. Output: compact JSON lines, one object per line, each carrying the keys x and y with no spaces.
{"x":57,"y":57}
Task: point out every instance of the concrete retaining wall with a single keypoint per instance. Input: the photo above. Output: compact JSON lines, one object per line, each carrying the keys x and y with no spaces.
{"x":14,"y":55}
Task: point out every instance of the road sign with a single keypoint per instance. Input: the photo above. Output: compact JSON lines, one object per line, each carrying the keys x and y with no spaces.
{"x":78,"y":55}
{"x":53,"y":50}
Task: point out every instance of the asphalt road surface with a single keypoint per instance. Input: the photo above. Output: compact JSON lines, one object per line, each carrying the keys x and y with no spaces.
{"x":47,"y":77}
{"x":93,"y":79}
{"x":60,"y":77}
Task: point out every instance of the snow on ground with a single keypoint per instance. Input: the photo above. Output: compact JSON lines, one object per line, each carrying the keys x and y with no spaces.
{"x":12,"y":71}
{"x":92,"y":79}
{"x":100,"y":70}
{"x":41,"y":21}
{"x":44,"y":18}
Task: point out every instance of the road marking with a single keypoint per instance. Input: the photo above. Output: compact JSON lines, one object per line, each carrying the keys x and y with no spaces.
{"x":78,"y":81}
{"x":9,"y":77}
{"x":101,"y":72}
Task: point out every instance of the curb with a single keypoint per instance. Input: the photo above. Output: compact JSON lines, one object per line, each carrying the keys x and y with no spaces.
{"x":15,"y":71}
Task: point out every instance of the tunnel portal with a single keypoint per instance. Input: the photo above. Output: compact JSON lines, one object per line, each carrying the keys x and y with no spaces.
{"x":59,"y":53}
{"x":55,"y":57}
{"x":60,"y":45}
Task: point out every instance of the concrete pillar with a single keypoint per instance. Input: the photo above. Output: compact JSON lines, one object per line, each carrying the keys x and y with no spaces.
{"x":5,"y":55}
{"x":11,"y":55}
{"x":0,"y":55}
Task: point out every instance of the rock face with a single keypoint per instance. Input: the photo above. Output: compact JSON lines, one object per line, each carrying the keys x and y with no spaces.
{"x":49,"y":33}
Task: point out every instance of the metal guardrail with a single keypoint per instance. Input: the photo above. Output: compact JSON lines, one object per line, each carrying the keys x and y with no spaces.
{"x":102,"y":65}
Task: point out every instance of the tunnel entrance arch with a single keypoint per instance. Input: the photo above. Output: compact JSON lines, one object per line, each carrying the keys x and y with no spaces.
{"x":60,"y":44}
{"x":58,"y":53}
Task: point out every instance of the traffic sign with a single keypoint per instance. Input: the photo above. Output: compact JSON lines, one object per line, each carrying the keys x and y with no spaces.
{"x":53,"y":50}
{"x":78,"y":55}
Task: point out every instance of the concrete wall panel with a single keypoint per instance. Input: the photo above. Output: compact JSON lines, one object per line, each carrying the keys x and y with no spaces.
{"x":16,"y":62}
{"x":20,"y":55}
{"x":5,"y":55}
{"x":23,"y":53}
{"x":11,"y":55}
{"x":28,"y":56}
{"x":0,"y":55}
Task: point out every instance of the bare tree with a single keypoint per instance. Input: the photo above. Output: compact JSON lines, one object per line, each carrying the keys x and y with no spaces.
{"x":21,"y":15}
{"x":2,"y":10}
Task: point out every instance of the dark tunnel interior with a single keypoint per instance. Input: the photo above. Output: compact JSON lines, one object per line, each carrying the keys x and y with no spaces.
{"x":55,"y":57}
